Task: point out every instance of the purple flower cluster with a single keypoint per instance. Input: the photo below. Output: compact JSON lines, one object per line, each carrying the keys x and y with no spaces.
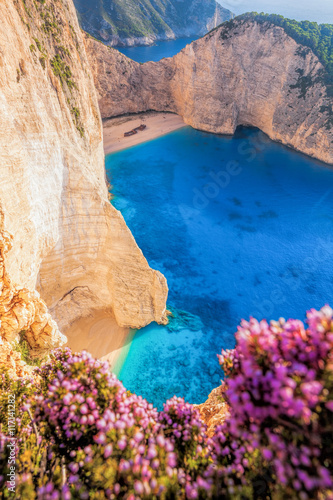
{"x":94,"y":421}
{"x":279,"y":390}
{"x":84,"y":401}
{"x":182,"y":423}
{"x":81,"y":435}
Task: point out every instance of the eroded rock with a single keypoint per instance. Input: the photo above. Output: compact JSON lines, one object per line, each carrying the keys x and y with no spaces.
{"x":22,"y":310}
{"x":214,"y":411}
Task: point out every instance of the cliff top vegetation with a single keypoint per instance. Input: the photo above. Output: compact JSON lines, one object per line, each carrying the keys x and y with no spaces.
{"x":317,"y":37}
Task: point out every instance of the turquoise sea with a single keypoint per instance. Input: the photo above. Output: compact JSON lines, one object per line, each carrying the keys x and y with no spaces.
{"x":239,"y":226}
{"x":157,"y":51}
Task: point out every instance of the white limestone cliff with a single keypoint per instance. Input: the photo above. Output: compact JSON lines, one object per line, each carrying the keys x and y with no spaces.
{"x":69,"y":242}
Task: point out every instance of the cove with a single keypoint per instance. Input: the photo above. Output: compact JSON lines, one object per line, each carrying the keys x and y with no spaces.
{"x":240,"y":226}
{"x":157,"y":51}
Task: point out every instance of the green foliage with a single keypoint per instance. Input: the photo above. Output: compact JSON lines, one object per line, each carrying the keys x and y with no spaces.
{"x":64,"y":50}
{"x":39,"y":45}
{"x":27,"y":9}
{"x":76,"y":120}
{"x":304,"y":83}
{"x":328,"y":109}
{"x":22,"y":390}
{"x":42,"y":61}
{"x":31,"y":454}
{"x":21,"y":346}
{"x":50,"y":18}
{"x":62,"y":71}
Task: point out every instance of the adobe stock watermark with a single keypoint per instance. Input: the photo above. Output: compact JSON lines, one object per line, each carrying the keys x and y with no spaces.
{"x":291,"y":282}
{"x":248,"y":149}
{"x":11,"y":444}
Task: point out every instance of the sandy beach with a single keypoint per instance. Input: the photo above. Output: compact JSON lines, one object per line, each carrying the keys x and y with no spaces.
{"x":157,"y":124}
{"x":100,"y":335}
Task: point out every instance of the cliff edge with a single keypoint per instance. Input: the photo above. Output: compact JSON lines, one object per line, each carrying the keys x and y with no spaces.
{"x":69,"y":242}
{"x":243,"y":73}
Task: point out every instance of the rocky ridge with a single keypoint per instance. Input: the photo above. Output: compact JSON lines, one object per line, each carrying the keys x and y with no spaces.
{"x":250,"y":74}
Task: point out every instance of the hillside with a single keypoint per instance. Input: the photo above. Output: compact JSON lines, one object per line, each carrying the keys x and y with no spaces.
{"x":129,"y":22}
{"x":317,"y":37}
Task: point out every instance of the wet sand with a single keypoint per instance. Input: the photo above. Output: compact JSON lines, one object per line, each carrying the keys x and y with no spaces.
{"x":100,"y":335}
{"x":158,"y":124}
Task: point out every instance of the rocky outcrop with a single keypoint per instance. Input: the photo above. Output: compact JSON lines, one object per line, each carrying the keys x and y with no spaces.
{"x":23,"y":310}
{"x":11,"y":362}
{"x":249,"y":73}
{"x":69,"y":242}
{"x":214,"y":411}
{"x":129,"y":22}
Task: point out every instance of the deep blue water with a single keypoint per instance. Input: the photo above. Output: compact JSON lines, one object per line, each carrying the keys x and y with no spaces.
{"x":156,"y":52}
{"x":239,"y":226}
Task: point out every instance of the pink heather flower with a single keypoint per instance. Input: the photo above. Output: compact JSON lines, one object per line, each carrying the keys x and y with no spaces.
{"x":155,"y":464}
{"x":153,"y":484}
{"x":84,"y":409}
{"x":90,"y":419}
{"x":73,"y":467}
{"x":172,"y":460}
{"x":152,"y":453}
{"x":124,"y":466}
{"x":274,"y":380}
{"x":267,"y":454}
{"x":67,"y":399}
{"x":122,"y":444}
{"x":160,"y":440}
{"x":108,"y":451}
{"x":138,"y":437}
{"x":191,"y":492}
{"x":138,"y":487}
{"x":100,"y":438}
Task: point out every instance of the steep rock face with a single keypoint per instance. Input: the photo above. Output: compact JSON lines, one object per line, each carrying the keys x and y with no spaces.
{"x":68,"y":241}
{"x":250,"y":74}
{"x":133,"y":22}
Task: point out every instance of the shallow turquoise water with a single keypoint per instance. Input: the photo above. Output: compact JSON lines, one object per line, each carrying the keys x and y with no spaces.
{"x":239,"y":226}
{"x":156,"y":52}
